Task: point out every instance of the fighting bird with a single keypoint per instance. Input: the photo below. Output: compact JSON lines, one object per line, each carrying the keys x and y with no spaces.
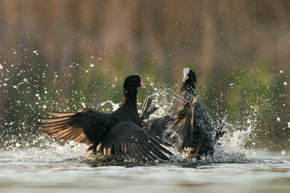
{"x":118,"y":133}
{"x":191,"y":126}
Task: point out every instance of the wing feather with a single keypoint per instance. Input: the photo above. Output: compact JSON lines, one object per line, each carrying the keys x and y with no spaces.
{"x":155,"y":150}
{"x":85,"y":126}
{"x":135,"y":142}
{"x":145,"y":152}
{"x":55,"y":120}
{"x":60,"y":114}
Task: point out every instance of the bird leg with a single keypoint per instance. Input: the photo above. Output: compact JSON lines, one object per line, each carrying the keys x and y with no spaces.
{"x":192,"y":152}
{"x":96,"y":149}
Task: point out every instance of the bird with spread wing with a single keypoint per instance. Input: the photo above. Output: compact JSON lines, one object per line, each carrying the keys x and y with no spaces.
{"x":118,"y":133}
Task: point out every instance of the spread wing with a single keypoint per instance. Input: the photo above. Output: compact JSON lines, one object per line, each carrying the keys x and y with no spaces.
{"x":182,"y":127}
{"x":85,"y":126}
{"x":127,"y":138}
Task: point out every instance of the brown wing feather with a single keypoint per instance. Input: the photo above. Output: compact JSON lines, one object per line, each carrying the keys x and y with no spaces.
{"x":60,"y":114}
{"x":85,"y":126}
{"x":182,"y":127}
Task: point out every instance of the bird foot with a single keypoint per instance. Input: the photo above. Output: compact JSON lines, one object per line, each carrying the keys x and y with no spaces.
{"x":192,"y":153}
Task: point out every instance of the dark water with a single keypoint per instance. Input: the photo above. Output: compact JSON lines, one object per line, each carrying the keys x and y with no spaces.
{"x":53,"y":170}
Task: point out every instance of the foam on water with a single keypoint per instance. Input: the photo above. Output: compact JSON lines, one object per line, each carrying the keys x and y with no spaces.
{"x":49,"y":151}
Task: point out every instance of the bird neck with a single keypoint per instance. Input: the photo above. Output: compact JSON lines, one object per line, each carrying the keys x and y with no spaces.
{"x":188,"y":87}
{"x":130,"y":97}
{"x":188,"y":92}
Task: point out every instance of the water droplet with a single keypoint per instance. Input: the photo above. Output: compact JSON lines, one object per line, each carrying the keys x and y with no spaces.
{"x":281,"y":71}
{"x":44,"y":106}
{"x":278,"y":119}
{"x":288,"y":124}
{"x":17,"y":144}
{"x":283,"y":152}
{"x":92,"y":65}
{"x":1,"y":67}
{"x":285,"y":83}
{"x":25,"y":80}
{"x":231,"y":84}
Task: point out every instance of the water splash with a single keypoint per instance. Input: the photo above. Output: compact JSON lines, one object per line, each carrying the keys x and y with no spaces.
{"x":165,"y":98}
{"x":231,"y":147}
{"x":232,"y":144}
{"x":114,"y":107}
{"x":45,"y":150}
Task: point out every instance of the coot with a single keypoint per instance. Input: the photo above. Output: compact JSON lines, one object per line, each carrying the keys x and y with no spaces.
{"x":191,"y":125}
{"x":118,"y":133}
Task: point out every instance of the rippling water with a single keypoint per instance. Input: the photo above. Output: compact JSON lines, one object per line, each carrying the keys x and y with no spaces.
{"x":49,"y":170}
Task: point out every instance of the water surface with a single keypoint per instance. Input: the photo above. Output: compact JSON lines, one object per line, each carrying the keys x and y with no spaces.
{"x":23,"y":171}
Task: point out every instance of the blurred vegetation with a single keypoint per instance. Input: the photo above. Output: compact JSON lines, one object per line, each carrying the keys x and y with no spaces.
{"x":64,"y":55}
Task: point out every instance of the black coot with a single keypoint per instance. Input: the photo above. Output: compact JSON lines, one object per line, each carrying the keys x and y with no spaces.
{"x":118,"y":132}
{"x":191,"y":125}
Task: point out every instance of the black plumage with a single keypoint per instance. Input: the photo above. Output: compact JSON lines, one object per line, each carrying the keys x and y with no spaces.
{"x":118,"y":133}
{"x":197,"y":123}
{"x":129,"y":138}
{"x":182,"y":128}
{"x":191,"y":127}
{"x":158,"y":126}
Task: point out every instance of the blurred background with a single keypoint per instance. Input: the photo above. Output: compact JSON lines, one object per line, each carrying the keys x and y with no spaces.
{"x":64,"y":55}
